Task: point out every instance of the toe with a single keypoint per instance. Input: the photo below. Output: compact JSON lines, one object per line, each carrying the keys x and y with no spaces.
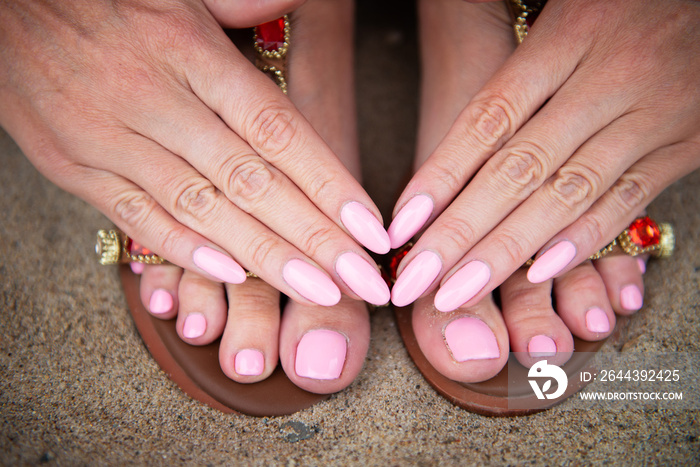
{"x":322,"y":349}
{"x":623,"y":281}
{"x":159,"y":289}
{"x":468,"y":344}
{"x":202,"y":312}
{"x":248,"y":351}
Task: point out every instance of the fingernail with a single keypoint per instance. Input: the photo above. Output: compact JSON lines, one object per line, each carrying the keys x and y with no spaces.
{"x":321,"y":354}
{"x":311,"y":283}
{"x":249,"y":362}
{"x":551,"y":262}
{"x":410,"y":219}
{"x":366,"y":229}
{"x":362,"y":278}
{"x":218,"y":265}
{"x":462,"y":286}
{"x":631,"y":298}
{"x":137,"y":268}
{"x":642,"y":265}
{"x":416,"y":278}
{"x":542,"y":346}
{"x":195,"y":325}
{"x":470,"y":339}
{"x":597,"y":321}
{"x":161,"y":302}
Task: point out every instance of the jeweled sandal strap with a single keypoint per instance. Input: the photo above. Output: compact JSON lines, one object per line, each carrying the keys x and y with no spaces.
{"x":271,"y":42}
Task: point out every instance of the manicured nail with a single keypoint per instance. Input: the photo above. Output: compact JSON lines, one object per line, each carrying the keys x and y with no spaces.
{"x":542,"y":346}
{"x":416,"y":278}
{"x":218,"y":265}
{"x":551,"y":262}
{"x":161,"y":302}
{"x":597,"y":321}
{"x":362,"y":278}
{"x":631,"y":298}
{"x":321,"y":354}
{"x":462,"y":286}
{"x":137,"y":268}
{"x":311,"y":283}
{"x":470,"y":339}
{"x":410,"y":219}
{"x":195,"y":325}
{"x":365,"y":227}
{"x":642,"y":265}
{"x":249,"y":362}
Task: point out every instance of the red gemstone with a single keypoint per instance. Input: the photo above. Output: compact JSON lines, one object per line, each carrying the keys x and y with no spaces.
{"x":137,"y":249}
{"x":644,"y":232}
{"x":396,"y":260}
{"x":270,"y":36}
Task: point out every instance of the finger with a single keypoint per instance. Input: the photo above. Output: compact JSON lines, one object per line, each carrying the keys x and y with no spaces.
{"x":239,"y":14}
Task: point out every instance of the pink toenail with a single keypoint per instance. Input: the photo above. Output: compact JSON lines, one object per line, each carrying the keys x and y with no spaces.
{"x":597,"y":321}
{"x":470,"y":339}
{"x":161,"y":302}
{"x":321,"y":354}
{"x":249,"y":362}
{"x":137,"y":268}
{"x":195,"y":325}
{"x":631,"y":298}
{"x":542,"y":346}
{"x":642,"y":265}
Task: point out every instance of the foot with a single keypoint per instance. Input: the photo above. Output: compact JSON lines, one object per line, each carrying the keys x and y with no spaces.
{"x":321,"y":349}
{"x":462,"y":45}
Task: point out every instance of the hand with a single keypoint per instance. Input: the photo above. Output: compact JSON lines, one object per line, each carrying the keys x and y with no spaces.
{"x":147,"y":111}
{"x":591,"y":118}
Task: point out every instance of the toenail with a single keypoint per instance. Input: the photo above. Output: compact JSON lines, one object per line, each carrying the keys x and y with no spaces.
{"x":597,"y":321}
{"x":321,"y":354}
{"x":161,"y":302}
{"x":195,"y":325}
{"x":249,"y":362}
{"x":631,"y":298}
{"x":470,"y":339}
{"x":137,"y":268}
{"x":642,"y":265}
{"x":542,"y":346}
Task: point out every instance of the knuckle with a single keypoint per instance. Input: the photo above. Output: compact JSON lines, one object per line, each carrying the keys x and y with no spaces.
{"x":196,"y":199}
{"x":262,"y":248}
{"x":631,"y":192}
{"x":273,"y":131}
{"x":523,"y":168}
{"x":249,"y":179}
{"x":173,"y":239}
{"x":320,"y":185}
{"x":134,"y":209}
{"x":573,"y":188}
{"x":460,"y":232}
{"x":448,"y":172}
{"x":315,"y":238}
{"x":493,"y":118}
{"x":594,"y":230}
{"x":513,"y":249}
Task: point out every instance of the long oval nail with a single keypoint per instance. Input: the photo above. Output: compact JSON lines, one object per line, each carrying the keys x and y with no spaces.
{"x":410,"y":219}
{"x":366,"y":229}
{"x":470,"y":338}
{"x":551,"y":262}
{"x":219,"y":265}
{"x":311,"y":283}
{"x":462,"y":286}
{"x":321,"y":354}
{"x":362,"y":278}
{"x":416,"y":278}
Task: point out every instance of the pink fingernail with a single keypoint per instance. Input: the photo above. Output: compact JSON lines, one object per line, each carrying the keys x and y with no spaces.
{"x":366,"y":229}
{"x":311,"y":283}
{"x":137,"y":268}
{"x":631,"y":298}
{"x":642,"y":265}
{"x":542,"y":346}
{"x":462,"y":286}
{"x":597,"y":321}
{"x":195,"y":326}
{"x":410,"y":219}
{"x":161,"y":302}
{"x":362,"y":278}
{"x":321,"y":354}
{"x":249,"y":362}
{"x":551,"y":262}
{"x":416,"y":278}
{"x":218,"y":265}
{"x":470,"y":339}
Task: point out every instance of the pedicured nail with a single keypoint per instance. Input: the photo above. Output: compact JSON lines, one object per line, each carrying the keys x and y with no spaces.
{"x":542,"y":346}
{"x":416,"y":278}
{"x":362,"y":278}
{"x":249,"y":362}
{"x":137,"y":268}
{"x":470,"y":339}
{"x":311,"y":283}
{"x":642,"y":265}
{"x":462,"y":286}
{"x":410,"y":219}
{"x":551,"y":262}
{"x":195,"y":326}
{"x":631,"y":298}
{"x":597,"y":321}
{"x":321,"y":354}
{"x":161,"y":302}
{"x":218,"y":265}
{"x":366,"y":229}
